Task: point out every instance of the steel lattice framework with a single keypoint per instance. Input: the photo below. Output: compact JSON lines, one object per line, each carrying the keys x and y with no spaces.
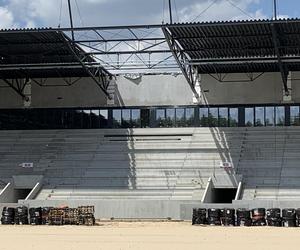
{"x":214,"y":48}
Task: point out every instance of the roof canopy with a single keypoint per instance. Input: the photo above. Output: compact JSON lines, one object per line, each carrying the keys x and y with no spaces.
{"x":240,"y":46}
{"x":41,"y":53}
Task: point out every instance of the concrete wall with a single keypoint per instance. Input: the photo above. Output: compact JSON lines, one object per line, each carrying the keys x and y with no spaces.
{"x":156,"y":90}
{"x":296,"y":87}
{"x":83,"y":93}
{"x":8,"y":193}
{"x":120,"y":209}
{"x":237,"y":89}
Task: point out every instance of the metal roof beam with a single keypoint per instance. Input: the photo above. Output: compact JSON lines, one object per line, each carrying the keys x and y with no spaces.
{"x":79,"y":58}
{"x":233,"y":23}
{"x":283,"y":69}
{"x":88,"y":28}
{"x":181,"y":58}
{"x":154,"y":26}
{"x":255,"y":60}
{"x":121,"y":40}
{"x":128,"y":52}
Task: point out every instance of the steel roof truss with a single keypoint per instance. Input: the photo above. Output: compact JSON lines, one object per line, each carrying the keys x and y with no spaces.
{"x":182,"y":60}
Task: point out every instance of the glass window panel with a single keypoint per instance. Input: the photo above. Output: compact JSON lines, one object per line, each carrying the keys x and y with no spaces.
{"x":136,"y":118}
{"x":86,"y":119}
{"x":77,"y":119}
{"x":295,"y":116}
{"x":280,"y":116}
{"x":249,"y":117}
{"x":39,"y":118}
{"x":190,"y":117}
{"x":204,"y":117}
{"x":170,"y":117}
{"x":95,"y":119}
{"x":233,"y":117}
{"x":103,"y":118}
{"x":180,"y":120}
{"x":213,"y":117}
{"x":223,"y":117}
{"x":160,"y":117}
{"x":50,"y":119}
{"x":32,"y":120}
{"x":68,"y":119}
{"x":117,"y":118}
{"x":2,"y":119}
{"x":58,"y":117}
{"x":259,"y":116}
{"x":126,"y":118}
{"x":9,"y":120}
{"x":145,"y":118}
{"x":270,"y":116}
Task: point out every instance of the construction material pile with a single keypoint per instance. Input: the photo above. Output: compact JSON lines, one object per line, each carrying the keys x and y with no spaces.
{"x":83,"y":215}
{"x":273,"y":217}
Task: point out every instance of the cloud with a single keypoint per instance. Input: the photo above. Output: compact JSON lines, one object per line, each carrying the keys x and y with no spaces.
{"x":6,"y":18}
{"x":221,"y":10}
{"x":41,"y":13}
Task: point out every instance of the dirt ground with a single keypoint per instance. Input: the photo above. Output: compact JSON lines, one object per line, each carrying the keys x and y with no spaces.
{"x":146,"y":236}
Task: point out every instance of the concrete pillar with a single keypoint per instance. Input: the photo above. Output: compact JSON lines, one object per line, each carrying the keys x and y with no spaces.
{"x":197,"y":98}
{"x":27,"y":93}
{"x":288,"y":98}
{"x":111,"y":90}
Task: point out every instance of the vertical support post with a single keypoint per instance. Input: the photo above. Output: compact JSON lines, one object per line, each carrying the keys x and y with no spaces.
{"x":71,"y":19}
{"x":275,"y":9}
{"x":170,"y":11}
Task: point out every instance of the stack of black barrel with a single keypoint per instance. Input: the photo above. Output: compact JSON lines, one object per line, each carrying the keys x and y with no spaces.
{"x":213,"y":217}
{"x":298,"y":217}
{"x":8,"y":216}
{"x":258,"y":217}
{"x":227,"y":217}
{"x":199,"y":216}
{"x":35,"y":215}
{"x":243,"y":218}
{"x":273,"y":217}
{"x":21,"y":216}
{"x":289,"y":217}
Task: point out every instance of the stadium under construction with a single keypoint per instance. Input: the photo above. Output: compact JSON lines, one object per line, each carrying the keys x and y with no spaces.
{"x":150,"y":121}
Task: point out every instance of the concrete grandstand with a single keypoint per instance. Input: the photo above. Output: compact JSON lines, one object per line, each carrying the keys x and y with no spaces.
{"x":212,"y":120}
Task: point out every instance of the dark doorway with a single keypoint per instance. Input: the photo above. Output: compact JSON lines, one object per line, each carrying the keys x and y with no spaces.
{"x":223,"y":195}
{"x":21,"y":194}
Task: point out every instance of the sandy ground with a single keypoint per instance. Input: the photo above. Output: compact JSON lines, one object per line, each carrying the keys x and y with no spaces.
{"x":147,"y":235}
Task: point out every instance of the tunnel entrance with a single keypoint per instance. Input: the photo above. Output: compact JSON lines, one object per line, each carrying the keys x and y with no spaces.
{"x":21,"y":194}
{"x":223,"y":195}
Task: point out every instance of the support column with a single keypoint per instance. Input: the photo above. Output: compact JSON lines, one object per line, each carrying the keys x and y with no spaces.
{"x":27,"y":93}
{"x":288,"y":98}
{"x":197,"y":96}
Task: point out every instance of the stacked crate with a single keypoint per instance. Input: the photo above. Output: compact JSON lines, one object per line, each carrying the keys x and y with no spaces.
{"x":86,"y":215}
{"x":71,"y":216}
{"x":56,"y":216}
